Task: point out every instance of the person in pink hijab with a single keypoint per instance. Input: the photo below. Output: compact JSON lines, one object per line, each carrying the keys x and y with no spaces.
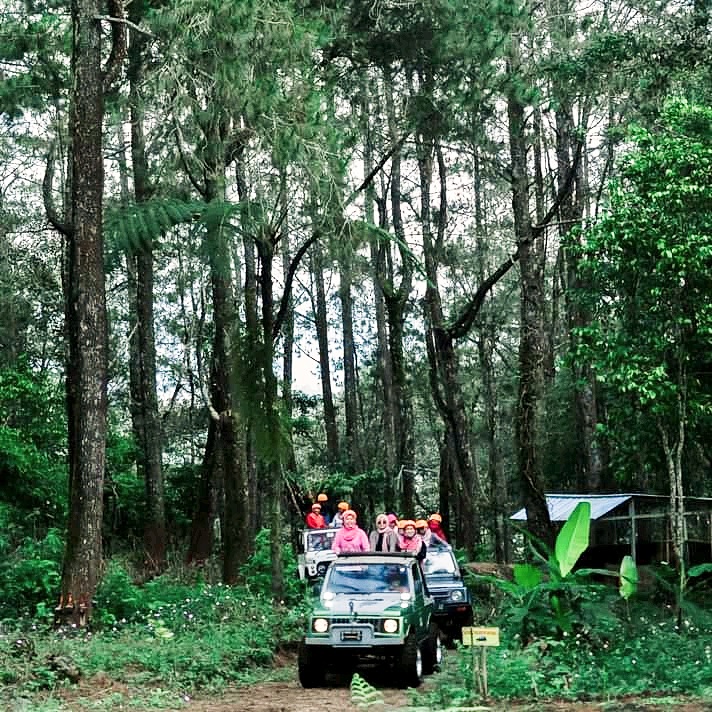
{"x":350,"y":537}
{"x":411,"y":541}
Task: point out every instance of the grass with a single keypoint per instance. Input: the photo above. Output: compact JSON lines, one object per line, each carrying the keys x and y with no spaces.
{"x":158,"y":645}
{"x":650,"y":655}
{"x":150,"y":647}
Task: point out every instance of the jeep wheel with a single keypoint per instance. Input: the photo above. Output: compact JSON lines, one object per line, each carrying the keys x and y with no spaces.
{"x":409,"y":665}
{"x":310,"y":664}
{"x":432,"y":651}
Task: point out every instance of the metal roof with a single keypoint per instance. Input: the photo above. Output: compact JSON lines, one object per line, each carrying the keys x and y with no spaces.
{"x":561,"y":505}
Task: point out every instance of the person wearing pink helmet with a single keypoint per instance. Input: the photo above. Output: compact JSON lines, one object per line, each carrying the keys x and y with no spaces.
{"x":350,"y":537}
{"x":411,"y":541}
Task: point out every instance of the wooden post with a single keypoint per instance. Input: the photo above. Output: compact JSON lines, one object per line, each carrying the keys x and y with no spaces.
{"x":481,"y":638}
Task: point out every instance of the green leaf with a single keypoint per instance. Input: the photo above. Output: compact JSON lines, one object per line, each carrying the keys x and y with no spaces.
{"x":527,"y":576}
{"x":699,"y":570}
{"x":629,"y":578}
{"x":573,"y":538}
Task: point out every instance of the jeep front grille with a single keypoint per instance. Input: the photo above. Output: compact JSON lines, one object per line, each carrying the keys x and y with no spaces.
{"x":375,"y":622}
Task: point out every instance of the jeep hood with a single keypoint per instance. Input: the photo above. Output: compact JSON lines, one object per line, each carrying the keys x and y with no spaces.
{"x":443,"y":583}
{"x":362,"y":606}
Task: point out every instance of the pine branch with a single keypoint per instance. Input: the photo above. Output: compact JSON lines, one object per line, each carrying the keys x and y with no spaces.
{"x":124,"y":21}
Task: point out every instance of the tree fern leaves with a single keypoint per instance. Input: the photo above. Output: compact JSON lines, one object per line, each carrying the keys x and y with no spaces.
{"x":139,"y":225}
{"x":363,"y":694}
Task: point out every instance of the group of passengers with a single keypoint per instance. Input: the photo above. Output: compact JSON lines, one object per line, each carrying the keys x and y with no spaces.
{"x":389,"y":534}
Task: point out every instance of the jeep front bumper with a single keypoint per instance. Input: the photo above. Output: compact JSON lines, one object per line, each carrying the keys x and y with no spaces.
{"x":354,"y":635}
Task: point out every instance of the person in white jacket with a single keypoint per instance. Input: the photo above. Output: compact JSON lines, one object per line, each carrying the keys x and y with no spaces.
{"x":338,"y":521}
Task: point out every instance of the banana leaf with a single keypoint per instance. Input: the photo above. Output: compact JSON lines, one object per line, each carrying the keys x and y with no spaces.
{"x":573,"y":538}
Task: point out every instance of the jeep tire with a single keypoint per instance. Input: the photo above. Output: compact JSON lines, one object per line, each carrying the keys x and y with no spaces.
{"x":432,"y":651}
{"x":310,"y":664}
{"x":409,"y":664}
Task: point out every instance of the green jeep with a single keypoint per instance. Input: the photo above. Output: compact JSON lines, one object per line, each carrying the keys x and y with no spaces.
{"x":372,"y":607}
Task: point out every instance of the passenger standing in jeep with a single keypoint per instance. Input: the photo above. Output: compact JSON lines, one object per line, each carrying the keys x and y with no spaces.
{"x":314,"y":519}
{"x":350,"y":538}
{"x":383,"y":538}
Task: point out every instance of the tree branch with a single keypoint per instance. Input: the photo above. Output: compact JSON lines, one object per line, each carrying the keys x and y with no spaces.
{"x":294,"y":264}
{"x":124,"y":21}
{"x":47,"y":186}
{"x":184,"y":160}
{"x":118,"y":45}
{"x":462,"y":325}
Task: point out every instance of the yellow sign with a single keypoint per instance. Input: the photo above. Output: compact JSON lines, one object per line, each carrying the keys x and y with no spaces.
{"x":483,"y":637}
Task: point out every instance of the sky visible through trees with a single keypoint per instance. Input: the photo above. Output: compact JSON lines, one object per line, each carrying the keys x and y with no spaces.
{"x":348,"y":246}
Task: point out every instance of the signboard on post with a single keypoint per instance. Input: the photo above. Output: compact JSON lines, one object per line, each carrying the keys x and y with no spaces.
{"x":480,"y":637}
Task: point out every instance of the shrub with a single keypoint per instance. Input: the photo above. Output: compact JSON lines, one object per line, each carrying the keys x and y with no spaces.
{"x":30,"y":576}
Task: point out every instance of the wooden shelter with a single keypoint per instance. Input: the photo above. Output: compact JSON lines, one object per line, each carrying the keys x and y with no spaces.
{"x":635,"y":524}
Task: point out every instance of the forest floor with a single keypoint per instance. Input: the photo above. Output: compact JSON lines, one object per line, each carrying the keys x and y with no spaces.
{"x":291,"y":697}
{"x":287,"y":695}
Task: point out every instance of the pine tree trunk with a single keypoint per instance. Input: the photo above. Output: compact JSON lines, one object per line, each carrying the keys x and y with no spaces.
{"x":147,"y":425}
{"x":378,"y":249}
{"x":272,"y":464}
{"x":442,"y":357}
{"x":287,"y":329}
{"x":256,"y":515}
{"x":86,"y":323}
{"x":529,"y":403}
{"x":322,"y":336}
{"x":499,"y":495}
{"x":351,"y":415}
{"x":397,"y":297}
{"x":234,"y":530}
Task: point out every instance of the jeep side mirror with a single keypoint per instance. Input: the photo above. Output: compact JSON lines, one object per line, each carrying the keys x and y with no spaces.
{"x":316,"y":588}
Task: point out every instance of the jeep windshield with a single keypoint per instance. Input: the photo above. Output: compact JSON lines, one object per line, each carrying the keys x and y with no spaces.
{"x":354,"y":579}
{"x":440,"y":563}
{"x":319,"y":539}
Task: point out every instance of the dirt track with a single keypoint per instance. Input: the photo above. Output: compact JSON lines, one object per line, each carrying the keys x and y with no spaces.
{"x":289,"y":696}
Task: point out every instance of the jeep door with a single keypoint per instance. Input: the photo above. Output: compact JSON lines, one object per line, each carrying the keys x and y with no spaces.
{"x":423,"y":604}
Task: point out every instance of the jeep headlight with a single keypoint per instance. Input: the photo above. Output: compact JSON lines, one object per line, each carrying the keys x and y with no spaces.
{"x":457,"y":595}
{"x":390,"y":625}
{"x":320,"y":625}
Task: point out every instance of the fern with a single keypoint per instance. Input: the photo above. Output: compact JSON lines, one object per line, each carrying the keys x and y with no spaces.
{"x":129,"y":228}
{"x":363,"y":694}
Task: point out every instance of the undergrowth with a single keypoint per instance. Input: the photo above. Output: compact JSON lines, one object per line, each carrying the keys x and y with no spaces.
{"x":166,"y":638}
{"x":650,"y":653}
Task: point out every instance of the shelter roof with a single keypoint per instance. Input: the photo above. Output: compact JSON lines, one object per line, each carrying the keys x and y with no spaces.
{"x":561,"y":505}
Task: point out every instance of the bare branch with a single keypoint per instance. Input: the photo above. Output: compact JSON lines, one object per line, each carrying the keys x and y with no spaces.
{"x":118,"y":46}
{"x":294,"y":264}
{"x":47,"y":187}
{"x":124,"y":21}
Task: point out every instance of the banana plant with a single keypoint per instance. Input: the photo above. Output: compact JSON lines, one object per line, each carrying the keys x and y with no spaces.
{"x":551,"y":597}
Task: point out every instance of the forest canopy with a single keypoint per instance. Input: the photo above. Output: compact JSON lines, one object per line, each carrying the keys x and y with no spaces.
{"x":483,"y":229}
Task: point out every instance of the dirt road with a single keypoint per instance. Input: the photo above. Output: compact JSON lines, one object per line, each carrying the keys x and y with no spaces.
{"x":288,"y":696}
